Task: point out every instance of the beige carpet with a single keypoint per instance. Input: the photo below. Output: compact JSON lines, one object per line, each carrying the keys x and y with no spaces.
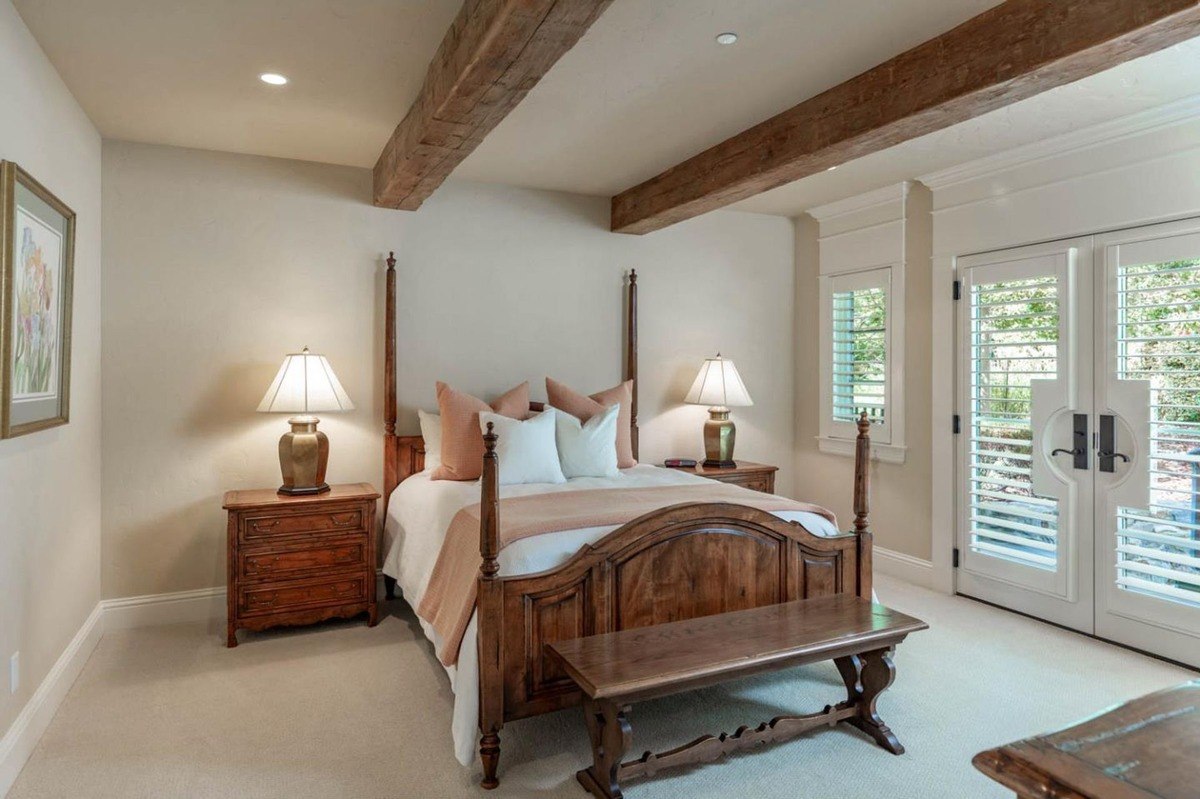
{"x":346,"y":711}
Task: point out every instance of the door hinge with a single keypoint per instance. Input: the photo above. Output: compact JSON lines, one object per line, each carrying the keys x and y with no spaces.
{"x":957,"y":424}
{"x":958,"y":289}
{"x":955,"y":558}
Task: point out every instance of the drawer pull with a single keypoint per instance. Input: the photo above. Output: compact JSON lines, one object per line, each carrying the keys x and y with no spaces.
{"x":349,"y":520}
{"x":261,"y":526}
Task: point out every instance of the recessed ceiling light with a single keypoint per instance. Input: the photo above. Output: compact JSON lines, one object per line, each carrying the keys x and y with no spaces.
{"x":728,"y":37}
{"x":831,"y":168}
{"x":273,"y":78}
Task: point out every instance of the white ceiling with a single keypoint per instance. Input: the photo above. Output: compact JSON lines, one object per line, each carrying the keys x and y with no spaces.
{"x":1148,"y":82}
{"x":185,"y":72}
{"x":645,"y":88}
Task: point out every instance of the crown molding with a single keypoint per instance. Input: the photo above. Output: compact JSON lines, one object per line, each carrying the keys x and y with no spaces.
{"x":1163,"y":116}
{"x":860,"y":202}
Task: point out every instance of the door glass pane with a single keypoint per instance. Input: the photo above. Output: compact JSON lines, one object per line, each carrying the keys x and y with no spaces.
{"x":859,"y":354}
{"x":1014,"y":340}
{"x":1158,"y":339}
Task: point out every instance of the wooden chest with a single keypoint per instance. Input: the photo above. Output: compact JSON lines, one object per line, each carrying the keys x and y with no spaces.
{"x":1147,"y":748}
{"x":300,"y":560}
{"x":755,"y":476}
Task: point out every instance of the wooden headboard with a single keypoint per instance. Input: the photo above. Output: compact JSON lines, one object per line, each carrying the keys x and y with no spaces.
{"x":404,"y":456}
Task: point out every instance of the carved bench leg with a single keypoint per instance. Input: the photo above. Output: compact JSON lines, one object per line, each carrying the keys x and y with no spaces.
{"x":611,"y":736}
{"x":866,"y":677}
{"x":489,"y":754}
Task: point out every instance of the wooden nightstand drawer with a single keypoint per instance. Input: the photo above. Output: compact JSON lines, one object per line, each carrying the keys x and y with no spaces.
{"x":257,"y":565}
{"x":764,"y":483}
{"x":271,"y":598}
{"x":260,"y":528}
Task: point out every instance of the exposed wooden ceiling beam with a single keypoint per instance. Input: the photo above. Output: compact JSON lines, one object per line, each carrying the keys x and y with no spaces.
{"x":492,"y":55}
{"x":1015,"y":50}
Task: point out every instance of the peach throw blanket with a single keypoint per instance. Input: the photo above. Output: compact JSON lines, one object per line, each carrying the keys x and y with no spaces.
{"x":450,"y":598}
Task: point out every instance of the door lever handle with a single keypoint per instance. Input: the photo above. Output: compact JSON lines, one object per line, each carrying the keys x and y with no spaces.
{"x":1079,"y":437}
{"x":1107,"y":453}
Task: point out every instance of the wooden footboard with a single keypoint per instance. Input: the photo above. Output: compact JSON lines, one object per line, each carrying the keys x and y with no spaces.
{"x":677,"y":563}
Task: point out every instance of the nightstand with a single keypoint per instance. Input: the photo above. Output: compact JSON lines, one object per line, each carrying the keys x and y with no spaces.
{"x":300,"y":559}
{"x":756,"y":476}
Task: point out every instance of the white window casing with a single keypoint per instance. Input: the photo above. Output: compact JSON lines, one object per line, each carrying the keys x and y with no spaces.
{"x":862,"y":360}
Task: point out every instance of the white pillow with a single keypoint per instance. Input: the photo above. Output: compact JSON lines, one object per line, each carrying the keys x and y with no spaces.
{"x":431,"y":431}
{"x":588,"y":450}
{"x":526,"y":448}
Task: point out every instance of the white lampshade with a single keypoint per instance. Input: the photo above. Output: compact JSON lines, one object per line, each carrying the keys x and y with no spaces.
{"x":719,"y":384}
{"x":305,"y":384}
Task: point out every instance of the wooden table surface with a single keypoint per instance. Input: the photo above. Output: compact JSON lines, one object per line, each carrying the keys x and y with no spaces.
{"x":1147,"y":748}
{"x":270,"y":497}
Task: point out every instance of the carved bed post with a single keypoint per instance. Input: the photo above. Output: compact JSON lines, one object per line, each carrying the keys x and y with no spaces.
{"x":862,"y":503}
{"x":491,"y":616}
{"x":391,"y":466}
{"x":631,"y":356}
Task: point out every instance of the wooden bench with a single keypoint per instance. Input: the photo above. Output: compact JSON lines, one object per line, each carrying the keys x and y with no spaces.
{"x":616,"y":669}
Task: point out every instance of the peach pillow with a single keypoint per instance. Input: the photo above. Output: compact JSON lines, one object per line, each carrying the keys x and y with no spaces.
{"x":462,"y":443}
{"x":567,"y":399}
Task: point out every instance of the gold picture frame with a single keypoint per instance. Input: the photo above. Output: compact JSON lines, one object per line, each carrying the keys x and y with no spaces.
{"x":37,"y":275}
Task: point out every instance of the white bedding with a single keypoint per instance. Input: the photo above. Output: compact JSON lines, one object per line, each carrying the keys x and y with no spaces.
{"x":419,"y":513}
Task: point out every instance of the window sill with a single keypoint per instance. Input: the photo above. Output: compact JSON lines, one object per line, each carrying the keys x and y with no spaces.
{"x":885,"y":453}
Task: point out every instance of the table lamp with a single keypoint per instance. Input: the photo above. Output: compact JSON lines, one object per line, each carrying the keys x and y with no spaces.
{"x":720,"y":386}
{"x":305,"y":384}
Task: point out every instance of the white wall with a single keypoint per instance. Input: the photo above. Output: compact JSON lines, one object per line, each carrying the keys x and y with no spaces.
{"x":889,"y":226}
{"x":216,"y":265}
{"x":50,"y":481}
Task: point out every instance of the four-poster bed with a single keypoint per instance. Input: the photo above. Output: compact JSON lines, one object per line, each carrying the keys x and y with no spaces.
{"x":680,"y":562}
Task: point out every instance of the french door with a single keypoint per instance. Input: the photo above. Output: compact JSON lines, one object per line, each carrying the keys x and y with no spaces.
{"x":1079,"y":453}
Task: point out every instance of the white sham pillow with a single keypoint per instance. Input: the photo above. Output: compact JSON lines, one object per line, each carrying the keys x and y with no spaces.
{"x":526,"y":448}
{"x":431,"y":431}
{"x":588,"y":449}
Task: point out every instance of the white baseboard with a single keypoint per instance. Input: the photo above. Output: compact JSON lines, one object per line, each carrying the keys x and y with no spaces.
{"x":18,"y":743}
{"x":202,"y":604}
{"x":151,"y":610}
{"x":905,"y":567}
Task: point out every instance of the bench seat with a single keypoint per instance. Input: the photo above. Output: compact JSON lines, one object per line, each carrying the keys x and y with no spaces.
{"x":615,"y":669}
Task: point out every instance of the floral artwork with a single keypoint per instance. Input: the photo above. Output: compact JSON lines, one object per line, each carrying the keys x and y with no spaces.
{"x":37,"y":268}
{"x":35,"y":309}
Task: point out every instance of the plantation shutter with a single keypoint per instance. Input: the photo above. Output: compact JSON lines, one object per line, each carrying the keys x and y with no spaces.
{"x":1158,"y":340}
{"x":859,"y":354}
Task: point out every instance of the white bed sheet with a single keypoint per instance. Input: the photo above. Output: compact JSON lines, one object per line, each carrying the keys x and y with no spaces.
{"x":419,"y":513}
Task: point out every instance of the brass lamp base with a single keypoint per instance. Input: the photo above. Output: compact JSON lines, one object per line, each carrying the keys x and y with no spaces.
{"x":303,"y":456}
{"x":719,"y":435}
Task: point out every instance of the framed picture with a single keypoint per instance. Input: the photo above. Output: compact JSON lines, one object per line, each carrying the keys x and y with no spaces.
{"x":37,"y":258}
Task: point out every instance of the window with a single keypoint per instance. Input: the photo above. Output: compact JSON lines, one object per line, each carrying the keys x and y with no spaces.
{"x":859,"y":354}
{"x":860,"y":324}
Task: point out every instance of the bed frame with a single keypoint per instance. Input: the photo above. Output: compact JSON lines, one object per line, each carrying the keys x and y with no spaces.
{"x":677,"y":563}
